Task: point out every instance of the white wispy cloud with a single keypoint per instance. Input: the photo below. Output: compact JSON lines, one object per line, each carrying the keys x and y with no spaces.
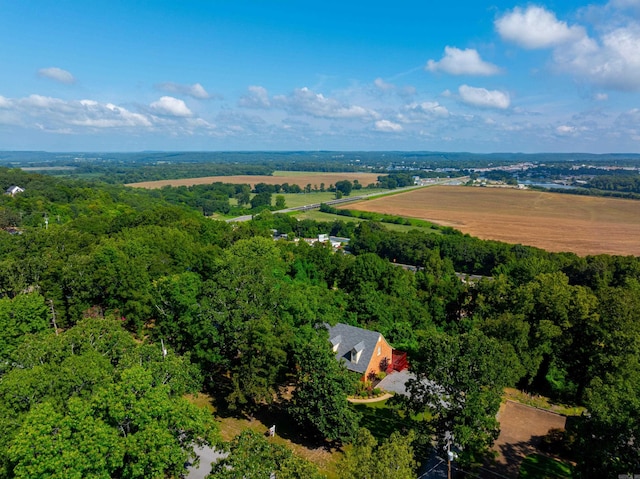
{"x":305,"y":101}
{"x":388,"y":126}
{"x":426,"y":110}
{"x":57,"y":74}
{"x":256,"y":97}
{"x":566,"y":130}
{"x":168,"y":105}
{"x":57,"y":115}
{"x":462,"y":62}
{"x":622,"y":4}
{"x":383,"y":85}
{"x":536,"y":27}
{"x":196,"y":90}
{"x":481,"y":97}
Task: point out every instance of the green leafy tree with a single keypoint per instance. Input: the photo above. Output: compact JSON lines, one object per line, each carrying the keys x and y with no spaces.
{"x":261,"y":199}
{"x":252,"y":456}
{"x":393,"y":458}
{"x":243,"y":304}
{"x":280,"y":202}
{"x":22,"y":315}
{"x":319,"y":400}
{"x":344,"y":186}
{"x":458,"y":384}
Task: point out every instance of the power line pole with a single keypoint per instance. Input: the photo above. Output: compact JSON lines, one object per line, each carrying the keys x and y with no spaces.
{"x":448,"y":436}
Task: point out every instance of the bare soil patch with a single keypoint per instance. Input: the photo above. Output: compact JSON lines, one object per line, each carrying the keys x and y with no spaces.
{"x":521,"y":430}
{"x":300,"y":178}
{"x":584,"y":225}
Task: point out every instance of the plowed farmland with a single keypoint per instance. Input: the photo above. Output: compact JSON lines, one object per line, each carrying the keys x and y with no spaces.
{"x":584,"y":225}
{"x":300,"y":178}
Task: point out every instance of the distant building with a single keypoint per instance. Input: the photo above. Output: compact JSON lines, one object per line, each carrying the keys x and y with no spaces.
{"x":13,"y":190}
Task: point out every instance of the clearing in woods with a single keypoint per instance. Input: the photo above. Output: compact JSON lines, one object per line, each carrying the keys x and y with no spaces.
{"x":585,"y":225}
{"x":300,"y":178}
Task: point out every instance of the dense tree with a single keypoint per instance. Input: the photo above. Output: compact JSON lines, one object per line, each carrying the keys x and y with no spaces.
{"x":320,"y":397}
{"x":344,"y":187}
{"x":368,"y":460}
{"x":458,"y":383}
{"x":261,"y":199}
{"x":91,"y":402}
{"x":25,"y":314}
{"x":252,"y":456}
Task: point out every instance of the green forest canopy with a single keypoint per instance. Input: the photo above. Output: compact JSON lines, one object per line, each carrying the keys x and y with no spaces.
{"x":124,"y":269}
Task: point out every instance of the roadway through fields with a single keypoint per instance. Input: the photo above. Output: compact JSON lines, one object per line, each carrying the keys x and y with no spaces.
{"x":349,"y":199}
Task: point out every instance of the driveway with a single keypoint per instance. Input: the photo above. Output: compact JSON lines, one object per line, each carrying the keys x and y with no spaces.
{"x":207,"y":456}
{"x":395,"y":381}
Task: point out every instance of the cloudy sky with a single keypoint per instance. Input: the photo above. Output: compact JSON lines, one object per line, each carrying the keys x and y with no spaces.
{"x":125,"y":75}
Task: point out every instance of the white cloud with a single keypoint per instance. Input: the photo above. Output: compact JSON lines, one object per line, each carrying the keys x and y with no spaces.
{"x":196,"y":90}
{"x":462,"y":62}
{"x":388,"y":126}
{"x":305,"y":101}
{"x":257,"y":97}
{"x":168,"y":105}
{"x":57,"y":74}
{"x":423,"y":111}
{"x":536,"y":27}
{"x":383,"y":85}
{"x":601,"y":97}
{"x":610,"y":60}
{"x":633,"y":4}
{"x":484,"y":98}
{"x":62,"y":116}
{"x":566,"y":130}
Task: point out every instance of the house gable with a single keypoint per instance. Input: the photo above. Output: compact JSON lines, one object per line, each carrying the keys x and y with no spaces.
{"x":360,"y":350}
{"x":13,"y":190}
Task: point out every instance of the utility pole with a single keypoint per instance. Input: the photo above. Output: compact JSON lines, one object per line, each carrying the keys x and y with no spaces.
{"x":448,"y":436}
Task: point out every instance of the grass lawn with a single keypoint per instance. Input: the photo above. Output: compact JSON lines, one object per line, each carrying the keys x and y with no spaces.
{"x":292,"y":200}
{"x":381,"y":420}
{"x":328,"y":217}
{"x":542,"y":467}
{"x":542,"y":402}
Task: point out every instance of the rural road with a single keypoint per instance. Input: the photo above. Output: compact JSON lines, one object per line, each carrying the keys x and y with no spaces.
{"x":350,"y":199}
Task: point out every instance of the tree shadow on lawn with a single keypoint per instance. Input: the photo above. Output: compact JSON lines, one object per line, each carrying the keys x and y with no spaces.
{"x":381,"y":419}
{"x":286,"y":428}
{"x":274,"y":414}
{"x":514,"y":454}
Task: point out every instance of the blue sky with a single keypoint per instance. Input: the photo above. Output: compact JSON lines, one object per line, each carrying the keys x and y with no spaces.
{"x":555,"y":76}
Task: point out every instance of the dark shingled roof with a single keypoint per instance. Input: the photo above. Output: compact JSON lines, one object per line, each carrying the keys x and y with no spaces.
{"x":351,"y":341}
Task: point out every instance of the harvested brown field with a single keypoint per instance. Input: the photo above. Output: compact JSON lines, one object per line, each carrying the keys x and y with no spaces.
{"x":301,"y":178}
{"x":585,"y":225}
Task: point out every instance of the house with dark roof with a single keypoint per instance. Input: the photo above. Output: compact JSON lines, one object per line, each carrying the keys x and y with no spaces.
{"x":364,"y":351}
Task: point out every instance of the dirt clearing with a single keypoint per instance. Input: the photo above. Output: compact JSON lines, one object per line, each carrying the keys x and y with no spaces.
{"x":521,"y":430}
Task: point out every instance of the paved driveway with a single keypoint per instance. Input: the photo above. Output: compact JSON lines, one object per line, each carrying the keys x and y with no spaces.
{"x":207,"y":456}
{"x":395,"y":381}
